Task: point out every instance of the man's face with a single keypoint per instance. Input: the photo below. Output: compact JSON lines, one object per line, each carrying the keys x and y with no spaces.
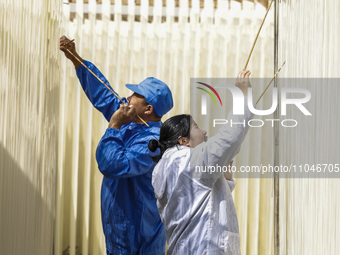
{"x":138,"y":102}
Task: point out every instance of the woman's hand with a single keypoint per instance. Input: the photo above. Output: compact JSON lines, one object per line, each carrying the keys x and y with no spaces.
{"x":243,"y":82}
{"x":229,"y":175}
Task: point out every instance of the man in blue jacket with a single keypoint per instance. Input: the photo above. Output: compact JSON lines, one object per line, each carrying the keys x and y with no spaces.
{"x":130,"y":217}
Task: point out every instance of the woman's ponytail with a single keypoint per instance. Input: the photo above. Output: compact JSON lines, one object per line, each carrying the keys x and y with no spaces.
{"x":153,"y":145}
{"x":173,"y":128}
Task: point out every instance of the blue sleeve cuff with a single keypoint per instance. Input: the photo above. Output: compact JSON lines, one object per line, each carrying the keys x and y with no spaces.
{"x":112,"y":132}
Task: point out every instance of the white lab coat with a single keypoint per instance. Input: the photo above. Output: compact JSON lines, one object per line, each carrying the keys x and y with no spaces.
{"x":197,"y":208}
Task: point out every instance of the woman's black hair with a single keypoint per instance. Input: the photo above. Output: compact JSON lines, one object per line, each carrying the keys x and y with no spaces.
{"x":173,"y":128}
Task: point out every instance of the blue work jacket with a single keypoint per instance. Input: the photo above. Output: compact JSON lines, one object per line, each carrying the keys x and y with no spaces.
{"x":130,"y":217}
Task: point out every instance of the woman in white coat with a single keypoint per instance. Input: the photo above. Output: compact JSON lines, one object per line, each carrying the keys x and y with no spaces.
{"x":195,"y":204}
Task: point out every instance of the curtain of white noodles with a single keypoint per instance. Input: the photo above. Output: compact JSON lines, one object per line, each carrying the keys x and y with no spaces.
{"x":212,"y":43}
{"x":29,"y":113}
{"x":309,"y":41}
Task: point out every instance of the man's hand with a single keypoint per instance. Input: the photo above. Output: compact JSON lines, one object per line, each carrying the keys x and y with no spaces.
{"x":243,"y":82}
{"x":71,"y":47}
{"x":124,"y":115}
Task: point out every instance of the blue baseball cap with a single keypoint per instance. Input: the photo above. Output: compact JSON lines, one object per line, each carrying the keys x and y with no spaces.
{"x":156,"y":93}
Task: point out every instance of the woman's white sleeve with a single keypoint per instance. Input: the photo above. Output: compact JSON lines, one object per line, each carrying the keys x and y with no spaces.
{"x":210,"y":158}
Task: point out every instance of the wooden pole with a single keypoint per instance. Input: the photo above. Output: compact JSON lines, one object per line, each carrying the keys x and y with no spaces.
{"x":258,"y":33}
{"x":276,"y":141}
